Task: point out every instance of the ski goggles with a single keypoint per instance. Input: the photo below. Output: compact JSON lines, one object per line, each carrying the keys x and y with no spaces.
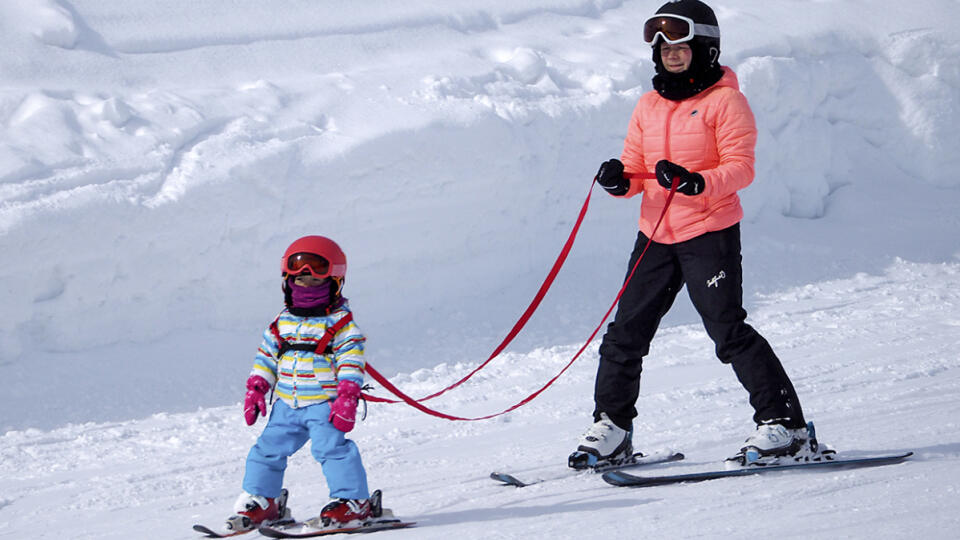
{"x":676,"y":29}
{"x":299,"y":263}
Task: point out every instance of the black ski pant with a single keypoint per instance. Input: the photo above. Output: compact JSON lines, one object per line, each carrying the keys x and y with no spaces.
{"x":710,"y":266}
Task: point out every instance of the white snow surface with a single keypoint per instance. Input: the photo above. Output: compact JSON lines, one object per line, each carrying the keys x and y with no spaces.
{"x":156,"y":158}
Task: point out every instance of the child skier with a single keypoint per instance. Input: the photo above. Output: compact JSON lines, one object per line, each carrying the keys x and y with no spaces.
{"x":311,"y":358}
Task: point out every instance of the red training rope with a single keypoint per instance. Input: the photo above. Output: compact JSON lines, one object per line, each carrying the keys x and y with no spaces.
{"x":417,"y":405}
{"x":526,"y":314}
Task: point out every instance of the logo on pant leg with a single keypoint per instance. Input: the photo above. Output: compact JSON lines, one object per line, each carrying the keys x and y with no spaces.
{"x":712,"y":282}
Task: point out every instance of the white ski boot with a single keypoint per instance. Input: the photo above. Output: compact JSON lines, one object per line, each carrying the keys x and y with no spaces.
{"x":772,"y":443}
{"x":603,"y":443}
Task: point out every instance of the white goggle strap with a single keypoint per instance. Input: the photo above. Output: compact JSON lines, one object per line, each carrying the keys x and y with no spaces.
{"x":707,"y":30}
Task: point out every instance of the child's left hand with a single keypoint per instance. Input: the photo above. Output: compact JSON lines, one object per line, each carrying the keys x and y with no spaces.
{"x":343,"y":410}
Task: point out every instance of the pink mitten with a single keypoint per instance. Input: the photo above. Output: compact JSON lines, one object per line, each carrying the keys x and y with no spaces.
{"x":343,"y":411}
{"x":255,"y":403}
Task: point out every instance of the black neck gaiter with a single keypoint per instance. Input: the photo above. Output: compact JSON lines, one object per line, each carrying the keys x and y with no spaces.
{"x":680,"y":86}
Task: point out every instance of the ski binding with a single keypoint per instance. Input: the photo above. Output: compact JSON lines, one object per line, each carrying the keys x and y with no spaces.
{"x":382,"y":519}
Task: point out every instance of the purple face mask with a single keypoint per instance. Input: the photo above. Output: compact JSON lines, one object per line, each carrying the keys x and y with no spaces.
{"x":309,"y":297}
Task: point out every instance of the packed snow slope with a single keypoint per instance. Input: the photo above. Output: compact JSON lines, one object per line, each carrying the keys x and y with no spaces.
{"x":156,"y":157}
{"x":874,"y":358}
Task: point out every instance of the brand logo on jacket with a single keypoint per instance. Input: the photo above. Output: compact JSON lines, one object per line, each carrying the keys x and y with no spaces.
{"x":712,"y":282}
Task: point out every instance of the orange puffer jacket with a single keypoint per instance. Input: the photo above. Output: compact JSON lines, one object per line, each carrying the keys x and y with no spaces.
{"x":712,"y":133}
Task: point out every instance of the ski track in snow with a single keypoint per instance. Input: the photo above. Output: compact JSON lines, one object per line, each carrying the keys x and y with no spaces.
{"x":872,"y":370}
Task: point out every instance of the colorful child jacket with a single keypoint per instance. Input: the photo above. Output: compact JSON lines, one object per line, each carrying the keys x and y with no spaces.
{"x":712,"y":133}
{"x":303,"y":377}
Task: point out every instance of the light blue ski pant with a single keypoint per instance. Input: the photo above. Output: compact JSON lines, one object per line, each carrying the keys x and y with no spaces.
{"x":287,"y":431}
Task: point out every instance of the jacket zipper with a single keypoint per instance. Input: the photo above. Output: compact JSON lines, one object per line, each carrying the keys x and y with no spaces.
{"x":293,"y":374}
{"x":666,"y":151}
{"x":666,"y":134}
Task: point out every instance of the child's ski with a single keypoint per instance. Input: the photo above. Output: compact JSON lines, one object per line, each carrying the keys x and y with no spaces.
{"x":636,"y":460}
{"x":381,"y":519}
{"x":618,"y":478}
{"x":306,"y":530}
{"x":210,"y":533}
{"x":236,"y":531}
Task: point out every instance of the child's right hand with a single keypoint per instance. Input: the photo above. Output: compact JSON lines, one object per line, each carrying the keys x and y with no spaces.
{"x":255,"y":401}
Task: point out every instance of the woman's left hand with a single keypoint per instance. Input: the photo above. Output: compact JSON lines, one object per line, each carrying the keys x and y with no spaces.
{"x":691,"y":183}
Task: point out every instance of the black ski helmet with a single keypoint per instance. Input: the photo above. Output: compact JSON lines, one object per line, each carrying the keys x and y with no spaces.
{"x":705,"y":48}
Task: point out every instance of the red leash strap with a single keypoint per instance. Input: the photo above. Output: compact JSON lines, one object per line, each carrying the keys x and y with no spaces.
{"x":414,"y":403}
{"x":526,"y":314}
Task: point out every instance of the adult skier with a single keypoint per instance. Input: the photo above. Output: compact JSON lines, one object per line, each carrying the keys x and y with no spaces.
{"x":696,"y":128}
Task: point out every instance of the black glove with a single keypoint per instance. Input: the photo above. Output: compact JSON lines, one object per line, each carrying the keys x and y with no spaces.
{"x":610,"y":177}
{"x":691,"y":183}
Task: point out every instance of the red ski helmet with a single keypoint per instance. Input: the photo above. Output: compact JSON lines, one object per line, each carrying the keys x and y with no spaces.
{"x":319,"y":255}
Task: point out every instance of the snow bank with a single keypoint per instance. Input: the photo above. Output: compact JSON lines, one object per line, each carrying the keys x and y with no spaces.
{"x":156,"y":158}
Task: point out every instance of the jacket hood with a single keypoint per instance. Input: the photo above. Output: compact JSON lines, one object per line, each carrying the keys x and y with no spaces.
{"x":729,"y":79}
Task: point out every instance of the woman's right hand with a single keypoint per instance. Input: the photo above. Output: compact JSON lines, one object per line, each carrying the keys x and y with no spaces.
{"x":610,"y":177}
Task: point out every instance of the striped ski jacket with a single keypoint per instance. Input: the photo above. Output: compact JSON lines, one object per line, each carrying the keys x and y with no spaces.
{"x":301,"y":376}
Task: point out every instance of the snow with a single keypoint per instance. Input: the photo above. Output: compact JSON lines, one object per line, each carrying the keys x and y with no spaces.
{"x":157,"y":157}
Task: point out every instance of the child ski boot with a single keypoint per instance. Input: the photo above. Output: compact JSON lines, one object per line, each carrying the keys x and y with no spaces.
{"x":252,"y":511}
{"x":348,"y":512}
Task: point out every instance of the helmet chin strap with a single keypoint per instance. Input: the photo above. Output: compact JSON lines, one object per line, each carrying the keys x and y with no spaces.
{"x":339,"y":285}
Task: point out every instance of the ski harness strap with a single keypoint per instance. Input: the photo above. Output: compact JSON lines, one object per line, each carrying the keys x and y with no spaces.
{"x":324,"y":346}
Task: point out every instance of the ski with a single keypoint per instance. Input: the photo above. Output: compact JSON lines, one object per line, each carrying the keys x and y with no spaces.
{"x":619,"y":478}
{"x":225,"y":533}
{"x":636,"y":460}
{"x":210,"y":533}
{"x":308,"y":530}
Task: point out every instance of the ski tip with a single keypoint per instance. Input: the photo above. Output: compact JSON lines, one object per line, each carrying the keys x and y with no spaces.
{"x":903,"y":456}
{"x":269,"y":533}
{"x":507,"y":479}
{"x":617,"y":478}
{"x":207,"y":532}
